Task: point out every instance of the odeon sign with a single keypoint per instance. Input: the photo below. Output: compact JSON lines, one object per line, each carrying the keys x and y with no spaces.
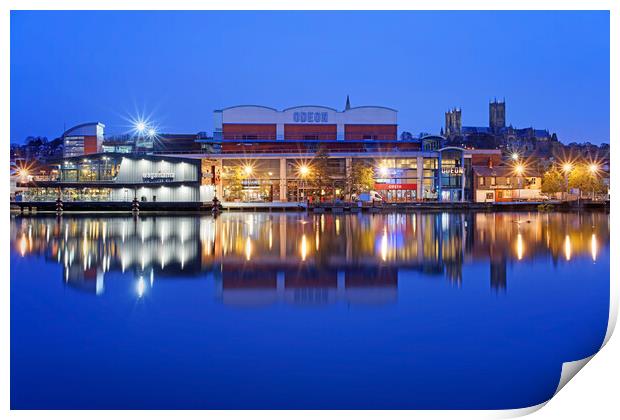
{"x":455,"y":170}
{"x":302,"y":116}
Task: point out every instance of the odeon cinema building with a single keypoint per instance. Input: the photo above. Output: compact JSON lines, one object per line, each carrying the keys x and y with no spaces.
{"x":259,"y":153}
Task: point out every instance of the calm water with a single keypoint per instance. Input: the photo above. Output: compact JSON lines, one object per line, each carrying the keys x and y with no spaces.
{"x":426,"y":310}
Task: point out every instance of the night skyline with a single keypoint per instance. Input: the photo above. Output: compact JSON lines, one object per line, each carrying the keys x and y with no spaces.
{"x":551,"y":67}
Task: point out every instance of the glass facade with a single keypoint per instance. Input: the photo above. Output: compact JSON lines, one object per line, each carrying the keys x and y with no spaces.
{"x":89,"y":170}
{"x":452,"y":175}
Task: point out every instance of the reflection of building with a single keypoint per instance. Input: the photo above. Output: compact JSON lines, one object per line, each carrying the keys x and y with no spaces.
{"x":83,"y":139}
{"x":247,"y":286}
{"x":291,"y":258}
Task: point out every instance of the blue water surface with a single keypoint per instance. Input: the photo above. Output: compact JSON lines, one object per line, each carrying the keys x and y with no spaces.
{"x":297,"y":311}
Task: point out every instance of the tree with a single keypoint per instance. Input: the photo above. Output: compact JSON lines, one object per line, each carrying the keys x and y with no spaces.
{"x":553,"y":182}
{"x":319,"y":174}
{"x":235,"y":183}
{"x":582,"y":178}
{"x":362,"y":177}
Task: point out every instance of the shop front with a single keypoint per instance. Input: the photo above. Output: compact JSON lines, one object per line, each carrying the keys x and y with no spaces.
{"x":396,"y":192}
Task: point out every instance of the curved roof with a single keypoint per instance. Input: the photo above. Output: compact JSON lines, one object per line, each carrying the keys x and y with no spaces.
{"x":452,"y":148}
{"x":372,"y":106}
{"x":429,"y":136}
{"x":82,"y":125}
{"x":308,"y":106}
{"x":249,"y":106}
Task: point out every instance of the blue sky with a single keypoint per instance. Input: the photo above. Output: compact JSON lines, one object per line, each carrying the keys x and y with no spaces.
{"x":177,"y":67}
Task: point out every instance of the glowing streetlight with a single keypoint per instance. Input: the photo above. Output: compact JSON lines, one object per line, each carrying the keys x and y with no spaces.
{"x":248,"y":170}
{"x":304,"y":170}
{"x":140,"y":127}
{"x":567,"y":167}
{"x":383,"y":170}
{"x":593,"y":168}
{"x":151,"y":132}
{"x":519,"y":169}
{"x":515,"y":156}
{"x":24,"y":173}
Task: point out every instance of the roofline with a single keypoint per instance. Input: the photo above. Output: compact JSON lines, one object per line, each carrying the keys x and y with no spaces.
{"x":306,"y":106}
{"x":83,"y":125}
{"x":371,"y":106}
{"x":132,"y":156}
{"x":310,"y":106}
{"x":246,"y":106}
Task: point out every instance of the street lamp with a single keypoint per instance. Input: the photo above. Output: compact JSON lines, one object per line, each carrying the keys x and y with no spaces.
{"x":519,"y":170}
{"x":383,"y":170}
{"x":515,"y":156}
{"x":567,"y":167}
{"x":140,"y":127}
{"x":593,"y":168}
{"x":304,"y":171}
{"x":248,"y":170}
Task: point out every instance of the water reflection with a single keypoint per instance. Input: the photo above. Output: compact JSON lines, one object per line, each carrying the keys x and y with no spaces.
{"x":265,"y":258}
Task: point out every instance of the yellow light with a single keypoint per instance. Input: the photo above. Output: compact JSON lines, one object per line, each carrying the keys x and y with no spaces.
{"x":593,"y":168}
{"x":384,"y":245}
{"x":519,"y":169}
{"x":515,"y":156}
{"x":567,"y":167}
{"x":567,"y":248}
{"x":519,"y":246}
{"x":248,"y":248}
{"x":304,"y":170}
{"x":247,"y":169}
{"x":304,"y":247}
{"x":23,"y":245}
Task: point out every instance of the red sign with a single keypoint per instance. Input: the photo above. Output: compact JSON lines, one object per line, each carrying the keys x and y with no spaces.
{"x":396,"y":187}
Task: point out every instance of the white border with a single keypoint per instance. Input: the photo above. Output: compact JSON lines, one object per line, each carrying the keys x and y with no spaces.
{"x":596,"y":391}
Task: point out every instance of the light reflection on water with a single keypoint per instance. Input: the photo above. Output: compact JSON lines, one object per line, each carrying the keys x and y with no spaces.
{"x":372,"y":249}
{"x":443,"y":306}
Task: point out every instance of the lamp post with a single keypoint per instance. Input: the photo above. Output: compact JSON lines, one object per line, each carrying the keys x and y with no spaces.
{"x":248,"y":170}
{"x":304,"y":170}
{"x":139,"y":127}
{"x":519,"y":170}
{"x":593,"y":168}
{"x":567,"y":167}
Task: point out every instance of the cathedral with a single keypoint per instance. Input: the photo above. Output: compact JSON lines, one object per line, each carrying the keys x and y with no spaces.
{"x":497,"y":134}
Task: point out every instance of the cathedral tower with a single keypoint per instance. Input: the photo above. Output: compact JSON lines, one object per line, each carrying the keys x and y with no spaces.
{"x":497,"y":115}
{"x":453,"y":122}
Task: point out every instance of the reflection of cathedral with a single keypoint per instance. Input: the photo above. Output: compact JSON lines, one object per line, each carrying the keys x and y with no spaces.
{"x":304,"y":259}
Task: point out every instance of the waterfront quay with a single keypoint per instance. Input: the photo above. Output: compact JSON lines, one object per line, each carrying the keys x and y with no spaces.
{"x":303,"y":158}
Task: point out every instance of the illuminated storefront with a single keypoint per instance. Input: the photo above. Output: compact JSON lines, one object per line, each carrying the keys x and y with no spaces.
{"x":121,"y":178}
